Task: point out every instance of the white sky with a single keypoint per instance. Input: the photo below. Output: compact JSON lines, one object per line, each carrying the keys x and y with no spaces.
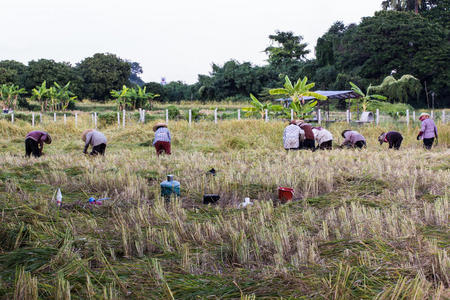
{"x":178,"y":39}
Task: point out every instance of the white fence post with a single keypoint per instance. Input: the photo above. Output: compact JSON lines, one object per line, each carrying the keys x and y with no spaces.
{"x":143,"y":116}
{"x":319,"y":117}
{"x":377,"y":116}
{"x":167,"y":116}
{"x":54,"y":117}
{"x":239,"y":114}
{"x":215,"y":116}
{"x":140,"y":115}
{"x":118,"y":119}
{"x":95,"y":120}
{"x":12,"y":118}
{"x":443,"y":117}
{"x":65,"y":119}
{"x":32,"y":119}
{"x":123,"y":118}
{"x":414,"y":116}
{"x":292,"y":114}
{"x":190,"y":116}
{"x":348,"y":116}
{"x":76,"y":120}
{"x":432,"y":114}
{"x":266,"y":114}
{"x":407,"y":117}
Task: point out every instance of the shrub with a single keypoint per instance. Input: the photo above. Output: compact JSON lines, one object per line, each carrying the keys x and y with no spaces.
{"x":174,"y":112}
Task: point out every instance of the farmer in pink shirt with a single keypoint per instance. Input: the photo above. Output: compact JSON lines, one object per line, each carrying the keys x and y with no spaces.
{"x":34,"y":142}
{"x":428,"y":131}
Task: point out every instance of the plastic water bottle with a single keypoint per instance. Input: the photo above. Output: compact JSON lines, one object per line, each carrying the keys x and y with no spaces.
{"x":92,"y":200}
{"x":245,"y":203}
{"x":58,"y":198}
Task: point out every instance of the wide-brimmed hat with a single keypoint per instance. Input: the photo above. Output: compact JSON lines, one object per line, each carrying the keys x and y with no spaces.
{"x":157,"y":125}
{"x":423,"y":115}
{"x":83,"y":135}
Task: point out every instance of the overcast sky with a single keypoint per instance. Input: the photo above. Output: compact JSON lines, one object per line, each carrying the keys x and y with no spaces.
{"x":178,"y":39}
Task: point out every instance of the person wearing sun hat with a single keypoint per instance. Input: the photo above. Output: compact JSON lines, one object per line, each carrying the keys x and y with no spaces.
{"x":96,"y":139}
{"x":428,"y":131}
{"x":162,"y":139}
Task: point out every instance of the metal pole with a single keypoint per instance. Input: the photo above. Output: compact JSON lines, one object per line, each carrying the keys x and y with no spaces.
{"x":32,"y":119}
{"x":167,"y":116}
{"x":378,"y":116}
{"x":215,"y":116}
{"x":407,"y":117}
{"x":123,"y":118}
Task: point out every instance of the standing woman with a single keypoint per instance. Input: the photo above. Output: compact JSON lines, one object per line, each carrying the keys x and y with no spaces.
{"x":96,"y":139}
{"x":428,"y":131}
{"x":34,"y":142}
{"x":162,"y":139}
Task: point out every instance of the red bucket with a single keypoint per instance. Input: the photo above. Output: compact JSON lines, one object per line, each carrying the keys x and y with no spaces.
{"x":285,"y":194}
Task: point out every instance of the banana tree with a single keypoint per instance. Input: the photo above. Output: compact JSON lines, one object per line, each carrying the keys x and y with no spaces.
{"x":122,"y":97}
{"x":64,"y":95}
{"x":5,"y":94}
{"x":16,"y":91}
{"x":259,"y":108}
{"x":297,"y":93}
{"x":299,"y":110}
{"x":41,"y":94}
{"x":365,"y":98}
{"x":145,"y":97}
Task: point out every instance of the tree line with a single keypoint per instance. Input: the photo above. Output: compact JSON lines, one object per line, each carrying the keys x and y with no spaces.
{"x":405,"y":38}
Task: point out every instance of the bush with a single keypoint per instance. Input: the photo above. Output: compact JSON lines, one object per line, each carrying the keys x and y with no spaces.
{"x":107,"y":118}
{"x":390,"y":108}
{"x":174,"y":112}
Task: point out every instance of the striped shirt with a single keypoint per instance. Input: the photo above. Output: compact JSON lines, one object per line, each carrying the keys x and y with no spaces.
{"x":162,"y":134}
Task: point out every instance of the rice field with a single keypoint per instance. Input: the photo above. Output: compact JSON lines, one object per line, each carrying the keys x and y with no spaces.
{"x":370,"y":224}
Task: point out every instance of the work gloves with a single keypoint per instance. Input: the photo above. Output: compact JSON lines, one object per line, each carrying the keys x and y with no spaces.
{"x":418,"y":137}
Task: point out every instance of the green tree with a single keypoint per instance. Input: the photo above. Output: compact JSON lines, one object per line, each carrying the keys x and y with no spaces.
{"x":41,"y":94}
{"x":259,"y":108}
{"x":122,"y":97}
{"x":365,"y":99}
{"x":12,"y":72}
{"x":63,"y":95}
{"x":398,"y":90}
{"x":285,"y":47}
{"x":102,"y":73}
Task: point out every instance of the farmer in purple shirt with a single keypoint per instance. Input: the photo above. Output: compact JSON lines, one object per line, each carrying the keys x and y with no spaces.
{"x":34,"y":142}
{"x":394,"y":139}
{"x":353,"y":139}
{"x":428,"y":131}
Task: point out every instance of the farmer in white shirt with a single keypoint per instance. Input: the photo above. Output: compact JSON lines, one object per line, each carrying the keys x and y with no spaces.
{"x":323,"y":137}
{"x":292,"y":136}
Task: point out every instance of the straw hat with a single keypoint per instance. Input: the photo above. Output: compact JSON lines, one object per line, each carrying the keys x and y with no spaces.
{"x":157,"y":125}
{"x":83,"y":135}
{"x":422,"y":115}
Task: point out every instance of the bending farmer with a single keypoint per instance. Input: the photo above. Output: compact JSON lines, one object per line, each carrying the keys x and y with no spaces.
{"x":34,"y":142}
{"x":428,"y":131}
{"x":308,"y":142}
{"x":291,"y":136}
{"x":96,"y":139}
{"x":323,"y":137}
{"x":353,"y":139}
{"x":162,"y":139}
{"x":394,"y":139}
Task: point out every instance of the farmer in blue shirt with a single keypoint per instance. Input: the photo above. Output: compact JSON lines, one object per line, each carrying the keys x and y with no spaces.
{"x":162,"y":139}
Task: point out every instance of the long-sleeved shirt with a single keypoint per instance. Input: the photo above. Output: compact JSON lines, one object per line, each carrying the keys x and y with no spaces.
{"x":38,"y":136}
{"x":162,"y":134}
{"x":291,"y":137}
{"x":309,"y":135}
{"x":392,"y":136}
{"x":322,"y":135}
{"x":94,"y":138}
{"x":351,"y":137}
{"x":428,"y":129}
